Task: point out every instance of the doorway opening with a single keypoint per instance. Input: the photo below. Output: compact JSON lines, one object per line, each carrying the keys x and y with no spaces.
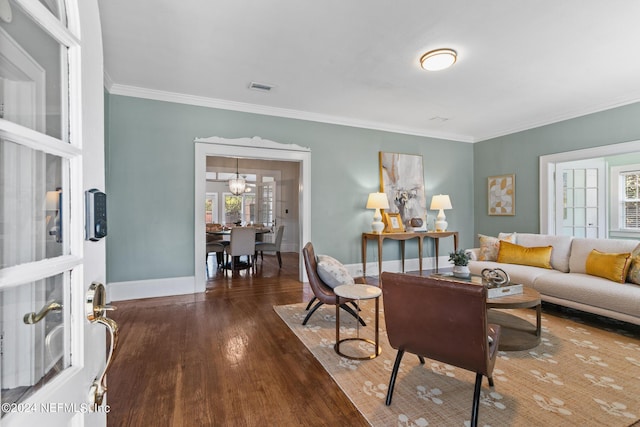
{"x":249,"y":148}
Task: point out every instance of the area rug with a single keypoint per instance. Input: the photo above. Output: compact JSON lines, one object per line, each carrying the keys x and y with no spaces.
{"x":578,"y":375}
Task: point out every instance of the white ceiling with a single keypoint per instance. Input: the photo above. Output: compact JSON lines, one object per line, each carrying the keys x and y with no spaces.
{"x":521,"y":63}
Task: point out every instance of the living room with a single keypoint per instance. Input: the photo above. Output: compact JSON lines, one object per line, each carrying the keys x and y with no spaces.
{"x":168,"y":85}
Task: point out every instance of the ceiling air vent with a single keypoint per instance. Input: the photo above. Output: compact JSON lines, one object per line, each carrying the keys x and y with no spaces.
{"x":262,"y":87}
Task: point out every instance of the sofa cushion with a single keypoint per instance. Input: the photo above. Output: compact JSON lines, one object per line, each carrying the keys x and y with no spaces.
{"x":591,"y":291}
{"x":539,"y":256}
{"x":561,"y":247}
{"x":489,"y":245}
{"x":332,"y":272}
{"x":581,"y":248}
{"x":633,"y":275}
{"x":612,"y":266}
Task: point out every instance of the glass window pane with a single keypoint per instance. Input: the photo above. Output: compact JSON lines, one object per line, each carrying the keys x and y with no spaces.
{"x":568,"y":218}
{"x":592,"y":197}
{"x":592,"y":177}
{"x":30,"y":203}
{"x":580,"y":217}
{"x":34,"y":341}
{"x":56,"y":8}
{"x":33,"y":76}
{"x":567,"y":231}
{"x":568,"y":178}
{"x":592,"y":233}
{"x":568,"y":200}
{"x":592,"y":217}
{"x":580,"y":178}
{"x":580,"y":197}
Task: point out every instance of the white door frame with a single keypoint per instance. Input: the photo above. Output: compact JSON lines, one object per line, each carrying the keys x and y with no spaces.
{"x":256,"y":148}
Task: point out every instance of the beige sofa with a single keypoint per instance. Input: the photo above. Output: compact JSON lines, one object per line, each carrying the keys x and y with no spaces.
{"x":567,"y":283}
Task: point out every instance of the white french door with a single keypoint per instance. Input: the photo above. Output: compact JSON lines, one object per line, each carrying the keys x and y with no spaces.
{"x":581,"y":199}
{"x":51,"y":116}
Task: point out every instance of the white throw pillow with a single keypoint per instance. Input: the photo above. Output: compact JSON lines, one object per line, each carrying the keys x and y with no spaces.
{"x":332,"y":272}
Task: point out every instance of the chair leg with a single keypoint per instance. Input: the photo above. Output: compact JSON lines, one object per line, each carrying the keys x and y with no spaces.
{"x":476,"y":400}
{"x":490,"y":381}
{"x":394,"y":374}
{"x":310,"y":302}
{"x":279,"y":259}
{"x":313,"y":310}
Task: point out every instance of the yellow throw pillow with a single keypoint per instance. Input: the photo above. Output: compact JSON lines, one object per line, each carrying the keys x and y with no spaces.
{"x":539,"y":256}
{"x":609,"y":266}
{"x":489,"y":245}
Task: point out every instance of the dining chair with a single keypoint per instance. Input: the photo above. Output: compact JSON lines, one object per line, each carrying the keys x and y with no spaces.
{"x":271,"y":247}
{"x":442,"y":320}
{"x":243,"y":243}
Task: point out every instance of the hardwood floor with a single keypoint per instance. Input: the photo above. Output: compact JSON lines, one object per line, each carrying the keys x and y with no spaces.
{"x":222,"y":358}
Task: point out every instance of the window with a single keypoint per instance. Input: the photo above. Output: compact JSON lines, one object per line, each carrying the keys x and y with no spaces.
{"x":211,"y":208}
{"x":625,"y":195}
{"x":239,"y":209}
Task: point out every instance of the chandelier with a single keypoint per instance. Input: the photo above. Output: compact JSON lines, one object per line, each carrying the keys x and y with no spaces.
{"x":237,"y":185}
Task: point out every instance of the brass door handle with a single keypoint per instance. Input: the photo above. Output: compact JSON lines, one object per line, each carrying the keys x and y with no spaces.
{"x":96,"y":313}
{"x":33,"y":317}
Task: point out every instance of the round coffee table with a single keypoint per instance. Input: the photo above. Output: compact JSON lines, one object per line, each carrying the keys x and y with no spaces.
{"x":517,"y":333}
{"x":358,"y":292}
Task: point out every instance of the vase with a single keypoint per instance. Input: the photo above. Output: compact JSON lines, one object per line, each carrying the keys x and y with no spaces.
{"x":461,"y":271}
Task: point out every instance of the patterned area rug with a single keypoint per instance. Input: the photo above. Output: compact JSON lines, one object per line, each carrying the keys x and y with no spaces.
{"x":578,"y":375}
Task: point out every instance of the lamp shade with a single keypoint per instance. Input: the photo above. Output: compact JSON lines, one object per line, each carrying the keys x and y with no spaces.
{"x":441,"y":201}
{"x":377,"y":201}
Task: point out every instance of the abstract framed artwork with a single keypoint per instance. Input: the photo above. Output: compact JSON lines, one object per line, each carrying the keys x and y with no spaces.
{"x":402,"y":180}
{"x":501,"y":192}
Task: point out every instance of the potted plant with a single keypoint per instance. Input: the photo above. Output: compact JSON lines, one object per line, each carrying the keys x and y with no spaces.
{"x":460,"y":260}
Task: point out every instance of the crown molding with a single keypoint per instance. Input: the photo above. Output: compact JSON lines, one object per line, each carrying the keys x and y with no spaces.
{"x":621,"y":102}
{"x":157,"y":95}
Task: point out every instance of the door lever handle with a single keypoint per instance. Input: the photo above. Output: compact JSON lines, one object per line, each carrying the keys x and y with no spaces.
{"x":96,"y":313}
{"x":33,"y":317}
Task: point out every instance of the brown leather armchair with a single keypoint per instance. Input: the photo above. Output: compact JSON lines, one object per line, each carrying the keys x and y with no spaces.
{"x":441,"y":320}
{"x":322,"y":292}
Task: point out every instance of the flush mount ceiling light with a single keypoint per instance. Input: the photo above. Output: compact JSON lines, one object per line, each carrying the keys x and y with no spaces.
{"x":438,"y":59}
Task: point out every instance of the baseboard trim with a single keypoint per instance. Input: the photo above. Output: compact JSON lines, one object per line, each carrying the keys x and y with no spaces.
{"x":138,"y":289}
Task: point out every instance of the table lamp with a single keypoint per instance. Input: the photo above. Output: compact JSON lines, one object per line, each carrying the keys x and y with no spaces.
{"x":441,"y":202}
{"x":377,"y":201}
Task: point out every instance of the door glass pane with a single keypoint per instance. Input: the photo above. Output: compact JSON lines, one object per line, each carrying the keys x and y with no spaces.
{"x":579,"y":215}
{"x":569,"y":197}
{"x":35,"y":344}
{"x":56,"y":8}
{"x":592,"y":178}
{"x":592,"y":197}
{"x":568,"y":217}
{"x":30,"y":204}
{"x":579,"y":178}
{"x":579,"y":197}
{"x":592,"y":217}
{"x":33,"y":76}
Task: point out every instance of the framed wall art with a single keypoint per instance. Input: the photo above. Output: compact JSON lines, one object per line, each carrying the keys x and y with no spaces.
{"x":501,"y":192}
{"x":402,"y":180}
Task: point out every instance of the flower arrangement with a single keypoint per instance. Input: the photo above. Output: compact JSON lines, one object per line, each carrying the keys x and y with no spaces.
{"x":459,"y":257}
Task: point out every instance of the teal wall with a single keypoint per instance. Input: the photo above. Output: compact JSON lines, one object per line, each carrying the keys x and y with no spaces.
{"x":150,"y":182}
{"x":519,"y":153}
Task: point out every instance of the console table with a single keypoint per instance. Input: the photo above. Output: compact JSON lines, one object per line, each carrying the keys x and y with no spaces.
{"x":402,"y":237}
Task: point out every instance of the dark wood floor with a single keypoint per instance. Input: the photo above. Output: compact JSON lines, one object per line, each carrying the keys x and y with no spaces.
{"x":222,"y":358}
